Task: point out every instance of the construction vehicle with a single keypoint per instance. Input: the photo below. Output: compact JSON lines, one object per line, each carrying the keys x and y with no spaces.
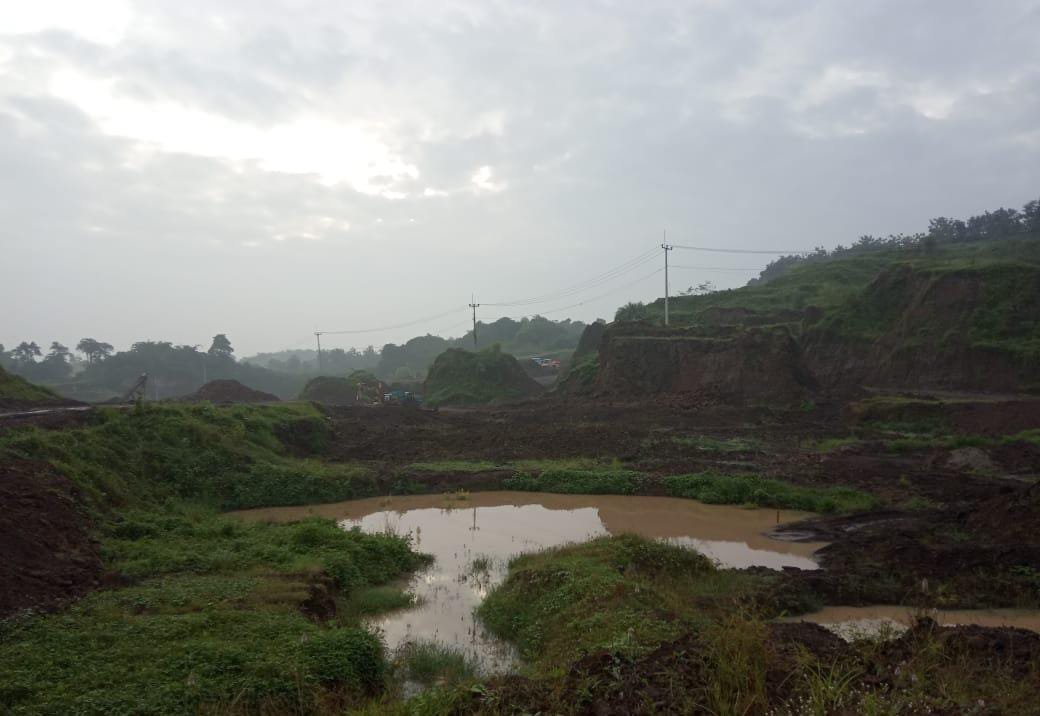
{"x":137,"y":392}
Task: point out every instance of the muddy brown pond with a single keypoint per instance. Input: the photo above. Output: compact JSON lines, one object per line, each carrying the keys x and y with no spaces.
{"x":472,"y":540}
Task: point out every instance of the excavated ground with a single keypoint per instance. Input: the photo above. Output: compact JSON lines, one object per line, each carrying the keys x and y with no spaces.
{"x":942,"y":536}
{"x":48,"y":555}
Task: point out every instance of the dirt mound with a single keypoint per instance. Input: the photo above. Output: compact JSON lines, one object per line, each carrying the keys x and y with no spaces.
{"x":230,"y":391}
{"x":47,"y":554}
{"x":330,"y":391}
{"x":744,"y":365}
{"x":1014,"y":516}
{"x":459,"y":377}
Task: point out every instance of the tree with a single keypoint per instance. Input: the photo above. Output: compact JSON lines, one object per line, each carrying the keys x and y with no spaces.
{"x":1031,"y":216}
{"x":701,"y":289}
{"x":221,"y":347}
{"x":58,"y":352}
{"x":632,"y":311}
{"x":26,"y":353}
{"x":94,"y":350}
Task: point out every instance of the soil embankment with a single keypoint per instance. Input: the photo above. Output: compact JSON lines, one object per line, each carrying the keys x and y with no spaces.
{"x":762,"y":365}
{"x":47,"y":553}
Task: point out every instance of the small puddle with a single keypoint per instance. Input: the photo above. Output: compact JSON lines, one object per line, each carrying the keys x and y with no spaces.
{"x":857,"y":622}
{"x":492,"y":527}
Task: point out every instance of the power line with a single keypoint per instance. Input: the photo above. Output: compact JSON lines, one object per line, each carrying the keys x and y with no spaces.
{"x":738,"y":251}
{"x":593,"y":298}
{"x":593,"y":282}
{"x":393,"y":327}
{"x":715,"y":268}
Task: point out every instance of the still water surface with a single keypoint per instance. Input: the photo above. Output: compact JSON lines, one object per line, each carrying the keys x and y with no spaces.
{"x":496,"y":526}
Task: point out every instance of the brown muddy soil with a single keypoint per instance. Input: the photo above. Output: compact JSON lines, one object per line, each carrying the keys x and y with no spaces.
{"x":47,"y":553}
{"x":677,"y":677}
{"x":926,"y":547}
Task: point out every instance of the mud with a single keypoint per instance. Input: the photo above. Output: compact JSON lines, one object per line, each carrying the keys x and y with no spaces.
{"x":47,"y":553}
{"x":492,"y":527}
{"x":850,"y":622}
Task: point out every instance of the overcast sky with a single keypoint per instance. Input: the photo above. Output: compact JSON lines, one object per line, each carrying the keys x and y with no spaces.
{"x":174,"y":169}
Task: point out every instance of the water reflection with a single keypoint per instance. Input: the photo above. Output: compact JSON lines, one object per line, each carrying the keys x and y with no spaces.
{"x":473,"y":538}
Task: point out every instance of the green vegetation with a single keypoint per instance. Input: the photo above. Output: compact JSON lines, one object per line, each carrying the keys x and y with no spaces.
{"x":215,"y":618}
{"x":223,"y":615}
{"x":715,"y":488}
{"x":709,"y":487}
{"x":836,"y":284}
{"x":14,"y":388}
{"x":428,"y":663}
{"x":230,"y":458}
{"x":454,"y":466}
{"x":624,"y":594}
{"x":706,"y":443}
{"x":580,"y":482}
{"x":460,"y":377}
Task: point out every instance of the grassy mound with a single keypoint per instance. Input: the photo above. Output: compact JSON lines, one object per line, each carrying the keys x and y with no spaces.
{"x":222,"y":616}
{"x":330,"y":391}
{"x":230,"y":458}
{"x":216,"y":617}
{"x":460,"y":377}
{"x":16,"y":392}
{"x":625,"y":594}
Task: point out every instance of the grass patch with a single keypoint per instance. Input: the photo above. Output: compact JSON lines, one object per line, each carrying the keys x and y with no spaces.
{"x":215,"y":619}
{"x":625,"y":594}
{"x":17,"y":389}
{"x":228,"y":457}
{"x":454,"y":466}
{"x":377,"y":600}
{"x":832,"y":444}
{"x":579,"y":482}
{"x":718,"y":489}
{"x":429,"y":663}
{"x":705,"y":443}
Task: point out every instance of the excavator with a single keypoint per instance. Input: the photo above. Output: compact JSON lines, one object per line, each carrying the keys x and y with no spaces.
{"x":137,"y":392}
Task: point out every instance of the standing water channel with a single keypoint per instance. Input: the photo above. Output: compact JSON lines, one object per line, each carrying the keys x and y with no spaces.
{"x":473,"y":538}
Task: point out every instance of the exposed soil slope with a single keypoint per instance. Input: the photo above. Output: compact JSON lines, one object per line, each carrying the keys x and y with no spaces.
{"x":749,"y":365}
{"x":47,"y":554}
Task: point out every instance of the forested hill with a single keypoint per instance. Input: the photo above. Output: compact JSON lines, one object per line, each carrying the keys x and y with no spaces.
{"x":410,"y":360}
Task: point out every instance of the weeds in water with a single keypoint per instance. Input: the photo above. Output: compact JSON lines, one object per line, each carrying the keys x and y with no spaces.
{"x":429,"y":663}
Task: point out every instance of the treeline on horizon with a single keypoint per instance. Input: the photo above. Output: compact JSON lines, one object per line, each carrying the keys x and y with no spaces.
{"x":990,"y":225}
{"x":177,"y":370}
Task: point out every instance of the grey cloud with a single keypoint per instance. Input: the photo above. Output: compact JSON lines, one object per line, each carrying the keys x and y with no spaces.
{"x":617,"y":120}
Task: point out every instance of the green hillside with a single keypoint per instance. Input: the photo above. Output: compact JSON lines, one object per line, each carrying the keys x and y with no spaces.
{"x":834,"y":282}
{"x":18,"y":392}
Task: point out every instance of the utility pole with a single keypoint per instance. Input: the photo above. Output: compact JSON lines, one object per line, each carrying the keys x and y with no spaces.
{"x":667,"y":247}
{"x":317,"y":334}
{"x":474,"y":305}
